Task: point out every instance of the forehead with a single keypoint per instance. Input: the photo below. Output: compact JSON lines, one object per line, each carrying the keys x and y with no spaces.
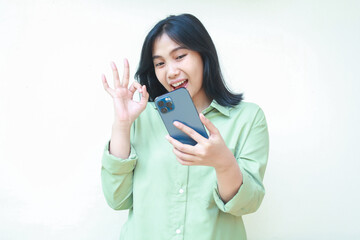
{"x":164,"y":45}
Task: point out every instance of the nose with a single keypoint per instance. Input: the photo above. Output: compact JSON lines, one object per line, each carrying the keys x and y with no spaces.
{"x":173,"y":71}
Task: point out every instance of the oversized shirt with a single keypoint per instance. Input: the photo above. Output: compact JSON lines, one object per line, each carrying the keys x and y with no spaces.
{"x":169,"y":201}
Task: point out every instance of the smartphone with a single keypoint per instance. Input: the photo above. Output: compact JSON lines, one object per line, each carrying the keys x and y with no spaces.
{"x":178,"y":106}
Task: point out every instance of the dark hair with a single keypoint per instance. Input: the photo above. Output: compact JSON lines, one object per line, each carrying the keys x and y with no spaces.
{"x":187,"y":31}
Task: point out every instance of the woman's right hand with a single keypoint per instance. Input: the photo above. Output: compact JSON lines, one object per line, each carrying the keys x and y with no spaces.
{"x":125,"y":108}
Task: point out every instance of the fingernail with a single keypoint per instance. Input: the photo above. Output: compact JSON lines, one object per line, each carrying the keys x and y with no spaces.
{"x":176,"y":123}
{"x":113,"y":65}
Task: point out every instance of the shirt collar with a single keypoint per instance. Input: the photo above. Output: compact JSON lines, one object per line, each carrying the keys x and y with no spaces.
{"x":214,"y":105}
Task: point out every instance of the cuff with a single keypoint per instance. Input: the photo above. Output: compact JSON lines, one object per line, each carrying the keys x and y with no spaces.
{"x":117,"y":165}
{"x":240,"y":204}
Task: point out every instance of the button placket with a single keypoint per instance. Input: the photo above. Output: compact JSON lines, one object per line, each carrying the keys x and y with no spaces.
{"x":179,"y":198}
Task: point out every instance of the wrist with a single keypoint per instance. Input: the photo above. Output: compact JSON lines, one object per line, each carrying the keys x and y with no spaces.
{"x":121,"y":125}
{"x":227,"y":167}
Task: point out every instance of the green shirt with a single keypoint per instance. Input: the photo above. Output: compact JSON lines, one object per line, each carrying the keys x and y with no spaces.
{"x":169,"y":201}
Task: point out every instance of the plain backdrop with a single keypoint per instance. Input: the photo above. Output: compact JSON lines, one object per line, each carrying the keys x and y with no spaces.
{"x":298,"y":60}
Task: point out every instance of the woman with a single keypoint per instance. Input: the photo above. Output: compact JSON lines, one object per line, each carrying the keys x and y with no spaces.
{"x":174,"y":190}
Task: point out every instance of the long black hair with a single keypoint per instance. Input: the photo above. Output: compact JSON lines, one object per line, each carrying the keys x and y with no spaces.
{"x":187,"y":31}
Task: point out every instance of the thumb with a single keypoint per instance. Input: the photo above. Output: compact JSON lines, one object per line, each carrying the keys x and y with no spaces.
{"x":144,"y":95}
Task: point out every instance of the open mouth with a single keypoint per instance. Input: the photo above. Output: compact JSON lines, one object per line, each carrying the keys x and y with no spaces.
{"x":179,"y":84}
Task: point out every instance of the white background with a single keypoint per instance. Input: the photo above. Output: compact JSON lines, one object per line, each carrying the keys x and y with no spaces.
{"x":299,"y":60}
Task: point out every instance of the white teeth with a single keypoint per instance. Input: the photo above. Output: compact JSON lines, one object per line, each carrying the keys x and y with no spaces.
{"x":178,"y":83}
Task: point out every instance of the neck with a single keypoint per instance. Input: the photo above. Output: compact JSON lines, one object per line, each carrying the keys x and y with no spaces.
{"x":201,"y":103}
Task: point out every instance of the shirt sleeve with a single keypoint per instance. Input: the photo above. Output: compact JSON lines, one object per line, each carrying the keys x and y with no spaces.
{"x":117,"y":179}
{"x":252,"y":161}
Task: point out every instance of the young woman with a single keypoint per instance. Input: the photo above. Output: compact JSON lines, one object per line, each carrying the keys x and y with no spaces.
{"x":174,"y":190}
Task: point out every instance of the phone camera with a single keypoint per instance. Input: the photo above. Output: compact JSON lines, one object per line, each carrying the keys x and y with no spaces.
{"x":160,"y":103}
{"x":165,"y":105}
{"x":169,"y":104}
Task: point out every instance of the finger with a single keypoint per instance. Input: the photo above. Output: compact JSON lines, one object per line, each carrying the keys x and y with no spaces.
{"x":144,"y":96}
{"x":190,"y":132}
{"x":126,"y":74}
{"x":135,"y":86}
{"x":208,"y":124}
{"x":106,"y":86}
{"x":184,"y":156}
{"x":185,"y":148}
{"x":115,"y":75}
{"x":185,"y":163}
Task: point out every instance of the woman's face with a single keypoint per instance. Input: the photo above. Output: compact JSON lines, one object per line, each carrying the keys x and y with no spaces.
{"x":176,"y":67}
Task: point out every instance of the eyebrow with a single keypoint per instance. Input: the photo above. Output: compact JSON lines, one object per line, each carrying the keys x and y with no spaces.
{"x":174,"y":50}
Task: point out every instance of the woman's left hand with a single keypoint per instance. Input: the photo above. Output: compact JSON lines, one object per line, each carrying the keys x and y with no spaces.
{"x":207,"y":152}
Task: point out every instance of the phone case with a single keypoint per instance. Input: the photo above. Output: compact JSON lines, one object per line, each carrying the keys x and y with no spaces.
{"x":178,"y":106}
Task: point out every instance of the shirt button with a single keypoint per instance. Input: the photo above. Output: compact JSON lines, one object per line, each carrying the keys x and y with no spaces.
{"x":181,"y":190}
{"x":178,"y":231}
